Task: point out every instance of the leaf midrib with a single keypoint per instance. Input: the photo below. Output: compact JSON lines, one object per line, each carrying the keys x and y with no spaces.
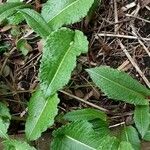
{"x":41,"y":26}
{"x":63,"y":10}
{"x":11,"y":9}
{"x":126,"y":134}
{"x":59,"y":66}
{"x":129,"y":89}
{"x":14,"y":6}
{"x":77,"y":141}
{"x":141,"y":118}
{"x":34,"y":127}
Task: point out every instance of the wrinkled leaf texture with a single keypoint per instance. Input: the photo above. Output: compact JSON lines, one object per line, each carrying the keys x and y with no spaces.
{"x":41,"y":114}
{"x":17,"y":145}
{"x":8,"y":9}
{"x":64,"y":12}
{"x":36,"y":22}
{"x":125,"y":146}
{"x":85,"y":114}
{"x":119,"y":86}
{"x":142,"y":119}
{"x":59,"y":58}
{"x":4,"y":120}
{"x":76,"y":135}
{"x":130,"y":134}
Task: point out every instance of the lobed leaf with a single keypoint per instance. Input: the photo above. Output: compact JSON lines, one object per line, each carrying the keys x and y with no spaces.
{"x":8,"y":9}
{"x":85,"y":114}
{"x":17,"y":145}
{"x":64,"y":12}
{"x":141,"y":119}
{"x":77,"y":135}
{"x":41,"y":114}
{"x":59,"y":58}
{"x":36,"y":21}
{"x":4,"y":120}
{"x":129,"y":134}
{"x":119,"y":86}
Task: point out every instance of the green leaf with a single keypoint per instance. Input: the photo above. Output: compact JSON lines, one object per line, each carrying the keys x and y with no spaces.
{"x":147,"y":135}
{"x":125,"y":146}
{"x":41,"y":114}
{"x":4,"y":111}
{"x":23,"y":46}
{"x":64,"y":12}
{"x":119,"y":86}
{"x":108,"y":143}
{"x":129,"y":134}
{"x":4,"y":120}
{"x":8,"y":9}
{"x":36,"y":22}
{"x":100,"y":127}
{"x":10,"y":1}
{"x":3,"y":128}
{"x":78,"y":135}
{"x":59,"y":58}
{"x":17,"y":145}
{"x":4,"y":47}
{"x":142,"y":119}
{"x":93,"y":9}
{"x":85,"y":114}
{"x":15,"y":19}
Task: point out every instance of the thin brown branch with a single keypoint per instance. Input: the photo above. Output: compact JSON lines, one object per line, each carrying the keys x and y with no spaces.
{"x":134,"y":64}
{"x":83,"y":101}
{"x":120,"y":36}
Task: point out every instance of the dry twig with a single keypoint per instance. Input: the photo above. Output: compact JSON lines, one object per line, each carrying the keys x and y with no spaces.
{"x":83,"y":101}
{"x":120,"y":36}
{"x":134,"y":64}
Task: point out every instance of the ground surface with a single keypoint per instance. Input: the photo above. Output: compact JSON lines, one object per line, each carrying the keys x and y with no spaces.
{"x":127,"y":52}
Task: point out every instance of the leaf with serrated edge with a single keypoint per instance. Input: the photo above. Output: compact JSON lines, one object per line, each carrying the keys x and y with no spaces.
{"x":8,"y":9}
{"x":59,"y":59}
{"x":119,"y":86}
{"x":4,"y":120}
{"x":125,"y":146}
{"x":141,"y":119}
{"x":3,"y":129}
{"x":64,"y":12}
{"x":4,"y":111}
{"x":147,"y":135}
{"x":41,"y":114}
{"x":77,"y":135}
{"x":85,"y":114}
{"x":36,"y":22}
{"x":130,"y":135}
{"x":17,"y":145}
